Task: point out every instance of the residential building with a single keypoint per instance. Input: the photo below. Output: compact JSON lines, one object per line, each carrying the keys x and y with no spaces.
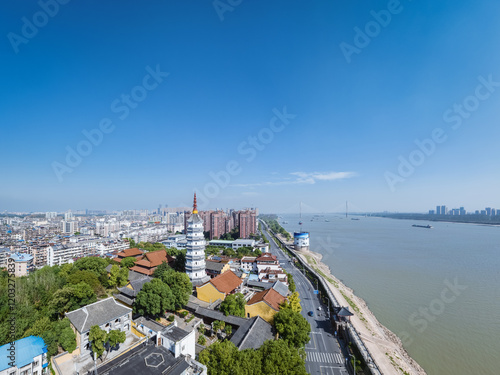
{"x":249,"y":264}
{"x":107,"y":314}
{"x":215,"y":268}
{"x":23,"y":262}
{"x":247,"y":223}
{"x":242,"y":242}
{"x":30,"y":357}
{"x":68,"y":227}
{"x":4,"y":256}
{"x":267,"y":260}
{"x":265,"y":304}
{"x":269,"y":275}
{"x":222,"y":243}
{"x":219,"y":287}
{"x":152,"y":360}
{"x":129,"y":292}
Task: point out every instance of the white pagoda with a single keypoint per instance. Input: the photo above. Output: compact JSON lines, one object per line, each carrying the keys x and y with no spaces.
{"x":195,"y":255}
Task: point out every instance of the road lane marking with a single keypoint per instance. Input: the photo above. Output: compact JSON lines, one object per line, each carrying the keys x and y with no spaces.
{"x":320,"y":357}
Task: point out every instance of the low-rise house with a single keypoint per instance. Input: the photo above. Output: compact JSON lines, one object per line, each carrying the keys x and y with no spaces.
{"x":249,"y":264}
{"x":148,"y":262}
{"x":267,"y":260}
{"x":129,"y":292}
{"x":242,"y":242}
{"x":177,"y":340}
{"x":30,"y":357}
{"x":265,"y":304}
{"x":219,"y":287}
{"x":107,"y":314}
{"x":270,"y":275}
{"x":152,"y":360}
{"x":215,"y":268}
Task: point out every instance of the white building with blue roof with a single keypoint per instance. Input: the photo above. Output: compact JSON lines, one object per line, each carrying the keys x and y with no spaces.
{"x":23,"y":357}
{"x":23,"y":263}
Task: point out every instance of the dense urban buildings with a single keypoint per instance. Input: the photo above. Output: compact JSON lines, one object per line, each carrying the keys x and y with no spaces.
{"x":443,"y":210}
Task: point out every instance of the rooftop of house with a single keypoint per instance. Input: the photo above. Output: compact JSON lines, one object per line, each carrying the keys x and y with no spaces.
{"x":25,"y":350}
{"x":226,"y":282}
{"x":21,"y":257}
{"x":133,"y":252}
{"x":146,"y":360}
{"x":269,"y":296}
{"x":174,"y":333}
{"x":97,"y":313}
{"x":267,"y":257}
{"x":214,"y":266}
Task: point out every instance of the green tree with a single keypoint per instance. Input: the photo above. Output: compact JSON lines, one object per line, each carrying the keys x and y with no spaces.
{"x":115,"y":337}
{"x":234,"y":304}
{"x":180,"y":285}
{"x":97,"y":338}
{"x":228,"y":330}
{"x":128,"y":262}
{"x":250,"y":362}
{"x":293,"y":302}
{"x":163,"y":267}
{"x":113,"y":275}
{"x":217,"y":326}
{"x":279,"y":358}
{"x":93,"y":264}
{"x":220,"y":358}
{"x":88,"y":277}
{"x":154,"y":299}
{"x":72,"y":297}
{"x":292,"y":327}
{"x":291,"y":282}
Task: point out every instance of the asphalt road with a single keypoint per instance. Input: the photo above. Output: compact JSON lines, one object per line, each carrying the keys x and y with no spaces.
{"x":323,"y":350}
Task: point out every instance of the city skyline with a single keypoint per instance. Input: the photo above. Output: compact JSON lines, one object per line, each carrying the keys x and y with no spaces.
{"x":389,"y":105}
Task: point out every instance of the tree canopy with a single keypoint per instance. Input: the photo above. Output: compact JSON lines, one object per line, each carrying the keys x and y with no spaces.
{"x":154,"y":299}
{"x":128,"y":262}
{"x":234,"y":304}
{"x":272,"y":358}
{"x":292,"y":327}
{"x":180,"y":285}
{"x":293,"y":302}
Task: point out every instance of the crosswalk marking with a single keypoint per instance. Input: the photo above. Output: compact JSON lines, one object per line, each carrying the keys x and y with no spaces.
{"x":324,"y":357}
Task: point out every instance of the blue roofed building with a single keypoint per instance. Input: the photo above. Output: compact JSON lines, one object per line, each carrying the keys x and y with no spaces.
{"x":23,"y":263}
{"x":23,"y":357}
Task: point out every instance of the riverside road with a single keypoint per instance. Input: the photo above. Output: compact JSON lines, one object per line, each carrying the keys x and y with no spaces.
{"x":323,"y":350}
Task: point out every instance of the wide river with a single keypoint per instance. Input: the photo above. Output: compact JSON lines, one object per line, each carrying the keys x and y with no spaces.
{"x":438,"y":289}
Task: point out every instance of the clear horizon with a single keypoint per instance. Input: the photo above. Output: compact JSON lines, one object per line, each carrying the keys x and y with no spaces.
{"x":390,"y":105}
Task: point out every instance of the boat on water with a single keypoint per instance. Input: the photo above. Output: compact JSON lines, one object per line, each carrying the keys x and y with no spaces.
{"x":285,"y":222}
{"x":354,"y":218}
{"x":422,"y":226}
{"x":327,"y":220}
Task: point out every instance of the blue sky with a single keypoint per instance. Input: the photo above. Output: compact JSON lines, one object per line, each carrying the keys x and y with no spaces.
{"x":327,"y":125}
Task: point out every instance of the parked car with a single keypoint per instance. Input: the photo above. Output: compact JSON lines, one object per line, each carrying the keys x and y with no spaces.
{"x":310,"y":313}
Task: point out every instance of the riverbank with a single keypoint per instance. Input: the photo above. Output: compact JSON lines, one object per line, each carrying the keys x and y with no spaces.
{"x":385,"y":347}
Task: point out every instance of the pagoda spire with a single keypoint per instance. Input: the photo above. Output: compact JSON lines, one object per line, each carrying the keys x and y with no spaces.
{"x":195,"y":207}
